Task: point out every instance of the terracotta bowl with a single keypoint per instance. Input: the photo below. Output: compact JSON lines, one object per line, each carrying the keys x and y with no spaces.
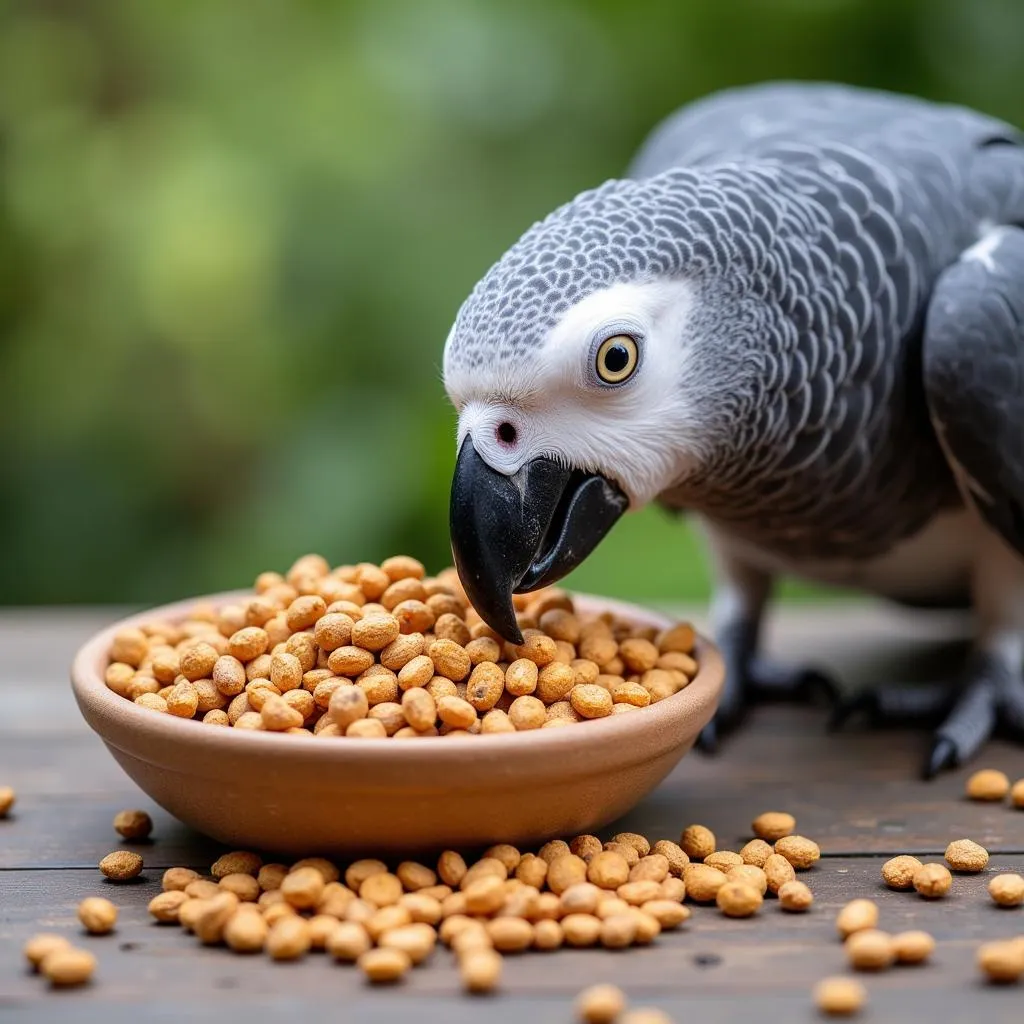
{"x":292,"y":795}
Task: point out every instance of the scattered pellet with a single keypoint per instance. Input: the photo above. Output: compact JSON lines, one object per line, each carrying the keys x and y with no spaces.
{"x":1016,"y":794}
{"x":840,"y":997}
{"x":723,"y":859}
{"x":966,"y":855}
{"x":121,"y":865}
{"x":178,"y":879}
{"x":857,"y":915}
{"x":289,"y":938}
{"x":912,"y":947}
{"x":98,"y":915}
{"x":988,"y":784}
{"x":773,"y":825}
{"x":800,"y":851}
{"x":750,"y":875}
{"x":756,"y":852}
{"x":703,"y":882}
{"x":795,"y":897}
{"x":480,"y":970}
{"x":64,"y":968}
{"x":898,"y":873}
{"x":165,"y":905}
{"x":1001,"y":962}
{"x":246,"y":931}
{"x":738,"y":899}
{"x":417,"y":941}
{"x":133,"y":825}
{"x":778,"y":871}
{"x":213,"y":916}
{"x":933,"y":880}
{"x":697,"y":842}
{"x":673,"y":853}
{"x":870,"y":950}
{"x":1007,"y":890}
{"x":236,"y":862}
{"x":600,"y":1004}
{"x":383,"y":966}
{"x":40,"y":946}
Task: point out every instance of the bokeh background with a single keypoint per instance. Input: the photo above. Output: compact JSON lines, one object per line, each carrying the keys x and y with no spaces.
{"x":233,"y":237}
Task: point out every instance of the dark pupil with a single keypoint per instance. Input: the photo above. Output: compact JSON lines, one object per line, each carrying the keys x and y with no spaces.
{"x":616,"y":359}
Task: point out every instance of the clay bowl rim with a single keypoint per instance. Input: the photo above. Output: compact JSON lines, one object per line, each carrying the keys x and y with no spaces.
{"x":165,"y":738}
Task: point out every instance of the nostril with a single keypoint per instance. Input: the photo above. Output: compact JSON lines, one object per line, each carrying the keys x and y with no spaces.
{"x":506,"y":433}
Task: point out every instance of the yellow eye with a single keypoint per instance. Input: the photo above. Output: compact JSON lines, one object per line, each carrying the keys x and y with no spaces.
{"x":617,"y":358}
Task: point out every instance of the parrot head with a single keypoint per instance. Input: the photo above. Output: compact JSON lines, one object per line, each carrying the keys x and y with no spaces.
{"x":584,"y":383}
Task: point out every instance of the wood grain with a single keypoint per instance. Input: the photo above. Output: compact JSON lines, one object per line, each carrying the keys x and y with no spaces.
{"x":714,"y":965}
{"x":856,"y":793}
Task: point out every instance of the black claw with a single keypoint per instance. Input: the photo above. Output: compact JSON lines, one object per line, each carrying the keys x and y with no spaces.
{"x":943,"y":755}
{"x":707,"y":741}
{"x":820,"y":689}
{"x":862,"y":704}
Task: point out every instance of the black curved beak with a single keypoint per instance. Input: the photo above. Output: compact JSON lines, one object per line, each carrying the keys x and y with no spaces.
{"x":514,"y":534}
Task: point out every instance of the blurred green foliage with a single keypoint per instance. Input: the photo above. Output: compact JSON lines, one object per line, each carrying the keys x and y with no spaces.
{"x":233,"y":237}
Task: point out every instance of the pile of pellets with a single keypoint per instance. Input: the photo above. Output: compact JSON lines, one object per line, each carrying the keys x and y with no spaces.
{"x":384,"y":651}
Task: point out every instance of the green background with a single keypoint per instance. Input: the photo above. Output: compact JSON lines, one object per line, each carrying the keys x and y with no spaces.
{"x":233,"y":237}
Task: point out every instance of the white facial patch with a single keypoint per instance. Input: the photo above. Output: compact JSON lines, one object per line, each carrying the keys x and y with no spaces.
{"x":633,"y":433}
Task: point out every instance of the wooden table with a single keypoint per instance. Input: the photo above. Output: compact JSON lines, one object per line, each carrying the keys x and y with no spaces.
{"x":858,"y":794}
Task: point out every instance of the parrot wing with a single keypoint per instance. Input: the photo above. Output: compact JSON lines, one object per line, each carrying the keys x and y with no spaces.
{"x":753,"y":121}
{"x":973,"y":361}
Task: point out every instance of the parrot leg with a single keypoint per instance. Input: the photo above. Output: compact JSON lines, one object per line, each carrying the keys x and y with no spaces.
{"x":992,"y":698}
{"x":989,"y":696}
{"x":737,"y":610}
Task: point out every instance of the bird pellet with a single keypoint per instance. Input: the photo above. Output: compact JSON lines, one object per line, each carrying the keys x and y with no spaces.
{"x":898,"y":873}
{"x":738,"y":899}
{"x":913,"y":947}
{"x":988,"y":784}
{"x":64,"y":968}
{"x":800,"y":851}
{"x":384,"y":651}
{"x":856,"y":916}
{"x":1001,"y":962}
{"x":840,"y":997}
{"x":772,"y":826}
{"x":870,"y":950}
{"x":966,"y":855}
{"x":40,"y":946}
{"x":121,"y":865}
{"x":933,"y":880}
{"x":600,"y":1004}
{"x":795,"y":897}
{"x":133,"y":825}
{"x":98,"y":915}
{"x":1016,"y":795}
{"x":1007,"y":890}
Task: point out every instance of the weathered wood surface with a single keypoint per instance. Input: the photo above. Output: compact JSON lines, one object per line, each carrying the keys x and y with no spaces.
{"x":857,"y":793}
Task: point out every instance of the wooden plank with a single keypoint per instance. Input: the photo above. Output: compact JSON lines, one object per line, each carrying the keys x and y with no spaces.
{"x":710,"y":970}
{"x":864,"y":798}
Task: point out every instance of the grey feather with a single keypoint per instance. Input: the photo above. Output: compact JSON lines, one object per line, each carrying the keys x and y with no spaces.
{"x":974,"y":377}
{"x":814,"y":222}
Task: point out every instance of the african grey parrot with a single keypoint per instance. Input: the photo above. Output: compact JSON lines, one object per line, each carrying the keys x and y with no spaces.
{"x":799,"y":316}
